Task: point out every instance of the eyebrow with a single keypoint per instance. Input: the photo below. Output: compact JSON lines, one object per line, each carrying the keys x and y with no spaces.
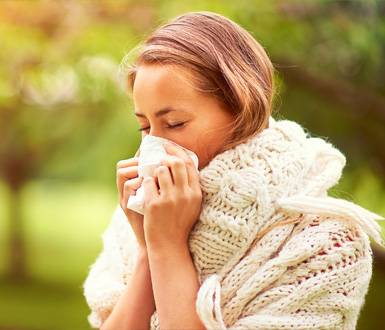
{"x":159,"y":113}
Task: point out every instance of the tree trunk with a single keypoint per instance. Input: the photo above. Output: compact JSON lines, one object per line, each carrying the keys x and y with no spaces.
{"x":16,"y":243}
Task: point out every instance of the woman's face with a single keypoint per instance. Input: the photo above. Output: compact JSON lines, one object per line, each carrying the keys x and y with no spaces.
{"x":167,"y":105}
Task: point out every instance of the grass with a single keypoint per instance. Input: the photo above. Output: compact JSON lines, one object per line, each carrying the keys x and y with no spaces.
{"x":36,"y":305}
{"x":63,"y":223}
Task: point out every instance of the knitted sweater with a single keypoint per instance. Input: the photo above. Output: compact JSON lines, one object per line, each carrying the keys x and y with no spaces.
{"x":270,"y":248}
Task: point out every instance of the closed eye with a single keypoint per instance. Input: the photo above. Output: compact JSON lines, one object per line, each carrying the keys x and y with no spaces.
{"x":176,"y":125}
{"x":168,"y":126}
{"x":144,"y":129}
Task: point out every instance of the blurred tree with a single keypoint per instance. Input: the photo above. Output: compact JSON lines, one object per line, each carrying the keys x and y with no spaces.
{"x":57,"y":100}
{"x":330,"y":54}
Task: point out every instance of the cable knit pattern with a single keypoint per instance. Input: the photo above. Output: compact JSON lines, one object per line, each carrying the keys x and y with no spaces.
{"x":258,"y":269}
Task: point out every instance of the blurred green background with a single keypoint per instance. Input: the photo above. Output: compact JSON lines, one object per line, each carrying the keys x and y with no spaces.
{"x":65,"y":121}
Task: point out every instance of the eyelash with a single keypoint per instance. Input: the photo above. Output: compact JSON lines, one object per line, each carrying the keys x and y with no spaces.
{"x":169,"y":126}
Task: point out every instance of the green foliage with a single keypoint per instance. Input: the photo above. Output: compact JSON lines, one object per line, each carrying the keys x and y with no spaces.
{"x":62,"y":95}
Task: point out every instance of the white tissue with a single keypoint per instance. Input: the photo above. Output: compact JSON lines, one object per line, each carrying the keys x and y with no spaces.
{"x":151,"y":154}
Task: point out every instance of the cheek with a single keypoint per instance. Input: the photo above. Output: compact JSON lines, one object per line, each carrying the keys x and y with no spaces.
{"x":205,"y":142}
{"x":194,"y":144}
{"x":210,"y":143}
{"x":203,"y":157}
{"x":207,"y":149}
{"x":214,"y":141}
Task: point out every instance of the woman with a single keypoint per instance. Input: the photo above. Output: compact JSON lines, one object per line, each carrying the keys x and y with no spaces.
{"x":252,"y":240}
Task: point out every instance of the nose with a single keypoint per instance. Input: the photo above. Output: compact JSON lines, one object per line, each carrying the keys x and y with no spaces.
{"x":155,"y":132}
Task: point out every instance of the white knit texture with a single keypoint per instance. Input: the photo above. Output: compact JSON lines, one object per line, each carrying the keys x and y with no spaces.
{"x":309,"y":274}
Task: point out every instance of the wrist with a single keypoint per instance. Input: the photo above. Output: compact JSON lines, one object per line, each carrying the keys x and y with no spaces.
{"x":169,"y":250}
{"x":163,"y":242}
{"x":142,"y":255}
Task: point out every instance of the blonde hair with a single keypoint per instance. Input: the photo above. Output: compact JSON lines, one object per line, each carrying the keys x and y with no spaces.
{"x":225,"y":61}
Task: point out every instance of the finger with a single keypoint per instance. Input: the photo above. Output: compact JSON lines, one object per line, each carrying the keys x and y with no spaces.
{"x":178,"y":170}
{"x":130,"y":188}
{"x":127,"y":163}
{"x":192,"y":172}
{"x":124,"y":174}
{"x":127,"y":173}
{"x":163,"y":176}
{"x":151,"y":191}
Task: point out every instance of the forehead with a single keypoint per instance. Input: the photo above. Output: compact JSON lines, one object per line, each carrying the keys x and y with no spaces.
{"x":163,"y":85}
{"x":160,"y":87}
{"x":164,"y":74}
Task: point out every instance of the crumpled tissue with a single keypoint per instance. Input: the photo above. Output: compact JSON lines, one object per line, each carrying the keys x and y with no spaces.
{"x":151,"y":154}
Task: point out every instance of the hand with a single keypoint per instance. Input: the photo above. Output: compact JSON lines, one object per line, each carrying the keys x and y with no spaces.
{"x":128,"y":182}
{"x":172,"y":200}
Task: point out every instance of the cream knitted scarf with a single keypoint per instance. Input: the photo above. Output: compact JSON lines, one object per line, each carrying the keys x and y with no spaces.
{"x":270,"y":248}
